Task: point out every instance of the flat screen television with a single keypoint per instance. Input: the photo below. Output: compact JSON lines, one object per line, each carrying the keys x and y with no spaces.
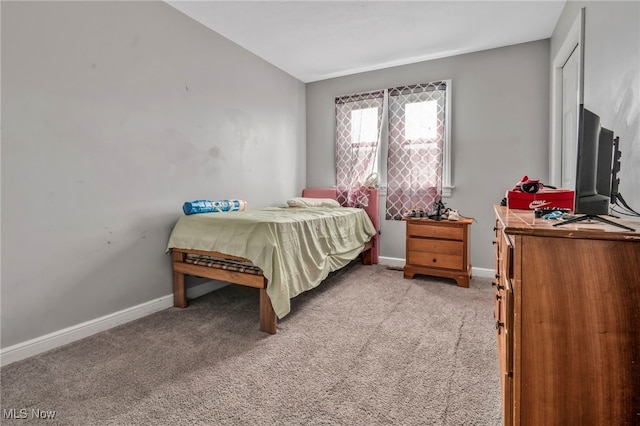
{"x":594,"y":170}
{"x":593,"y":173}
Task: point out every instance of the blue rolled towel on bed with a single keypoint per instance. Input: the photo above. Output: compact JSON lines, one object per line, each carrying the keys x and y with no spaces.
{"x":208,"y":206}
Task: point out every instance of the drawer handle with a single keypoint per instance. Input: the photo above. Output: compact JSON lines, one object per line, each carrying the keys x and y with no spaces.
{"x":499,"y":324}
{"x":498,"y":297}
{"x":435,"y":260}
{"x":500,"y":287}
{"x":494,"y":242}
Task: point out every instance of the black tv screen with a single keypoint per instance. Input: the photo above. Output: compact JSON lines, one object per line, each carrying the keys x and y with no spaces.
{"x":594,"y":162}
{"x":598,"y":163}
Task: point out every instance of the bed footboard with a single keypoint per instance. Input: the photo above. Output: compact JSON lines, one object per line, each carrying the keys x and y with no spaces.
{"x":268,"y":318}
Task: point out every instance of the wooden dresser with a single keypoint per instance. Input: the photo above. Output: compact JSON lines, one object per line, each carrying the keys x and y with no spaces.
{"x":439,"y":248}
{"x":567,"y":309}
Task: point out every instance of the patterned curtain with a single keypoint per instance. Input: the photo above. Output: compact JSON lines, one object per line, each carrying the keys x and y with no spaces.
{"x":358,"y":121}
{"x":416,"y":146}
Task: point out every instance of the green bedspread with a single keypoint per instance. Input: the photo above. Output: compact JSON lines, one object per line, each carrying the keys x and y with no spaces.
{"x":296,"y":248}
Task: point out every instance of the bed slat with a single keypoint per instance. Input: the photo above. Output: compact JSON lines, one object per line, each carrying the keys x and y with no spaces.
{"x":249,"y":280}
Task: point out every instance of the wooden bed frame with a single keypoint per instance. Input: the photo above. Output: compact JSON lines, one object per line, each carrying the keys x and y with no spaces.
{"x":268,"y":318}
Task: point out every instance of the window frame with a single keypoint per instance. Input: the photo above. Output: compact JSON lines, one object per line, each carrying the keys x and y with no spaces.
{"x":447,"y":185}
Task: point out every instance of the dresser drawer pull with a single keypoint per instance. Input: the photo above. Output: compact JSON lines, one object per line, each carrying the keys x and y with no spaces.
{"x":499,"y":324}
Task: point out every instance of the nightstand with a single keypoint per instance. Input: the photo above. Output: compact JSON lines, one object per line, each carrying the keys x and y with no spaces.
{"x":439,"y":248}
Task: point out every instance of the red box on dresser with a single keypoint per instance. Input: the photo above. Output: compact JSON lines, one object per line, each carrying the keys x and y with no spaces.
{"x":544,"y":198}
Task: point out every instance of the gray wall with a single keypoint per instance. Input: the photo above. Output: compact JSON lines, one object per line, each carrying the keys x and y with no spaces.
{"x":113,"y":115}
{"x":500,"y":128}
{"x":611,"y":76}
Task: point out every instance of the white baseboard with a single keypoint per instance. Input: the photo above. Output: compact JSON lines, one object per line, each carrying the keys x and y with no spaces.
{"x":399,"y":263}
{"x":58,"y":338}
{"x":79,"y":331}
{"x":391,"y":261}
{"x":483,"y":272}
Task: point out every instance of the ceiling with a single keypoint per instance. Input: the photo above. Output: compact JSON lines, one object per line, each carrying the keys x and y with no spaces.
{"x":317,"y":40}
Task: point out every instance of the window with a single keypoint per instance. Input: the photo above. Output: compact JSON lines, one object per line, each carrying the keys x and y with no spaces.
{"x":358,"y":121}
{"x":421,"y":121}
{"x":417,"y":126}
{"x":364,"y":126}
{"x":416,"y":151}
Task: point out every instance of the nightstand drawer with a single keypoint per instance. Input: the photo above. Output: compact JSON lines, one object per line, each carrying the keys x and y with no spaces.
{"x":435,"y":246}
{"x":435,"y":231}
{"x":436,"y":260}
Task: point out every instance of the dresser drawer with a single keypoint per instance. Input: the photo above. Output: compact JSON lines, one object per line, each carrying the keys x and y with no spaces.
{"x":435,"y":246}
{"x":435,"y":231}
{"x":436,"y":260}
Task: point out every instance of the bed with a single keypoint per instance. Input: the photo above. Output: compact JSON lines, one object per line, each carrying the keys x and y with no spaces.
{"x":280,"y":251}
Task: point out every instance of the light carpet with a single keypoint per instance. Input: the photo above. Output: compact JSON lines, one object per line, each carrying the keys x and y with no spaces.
{"x":366,"y":347}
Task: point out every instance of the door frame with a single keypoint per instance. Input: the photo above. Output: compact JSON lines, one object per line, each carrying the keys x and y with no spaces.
{"x":574,"y":40}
